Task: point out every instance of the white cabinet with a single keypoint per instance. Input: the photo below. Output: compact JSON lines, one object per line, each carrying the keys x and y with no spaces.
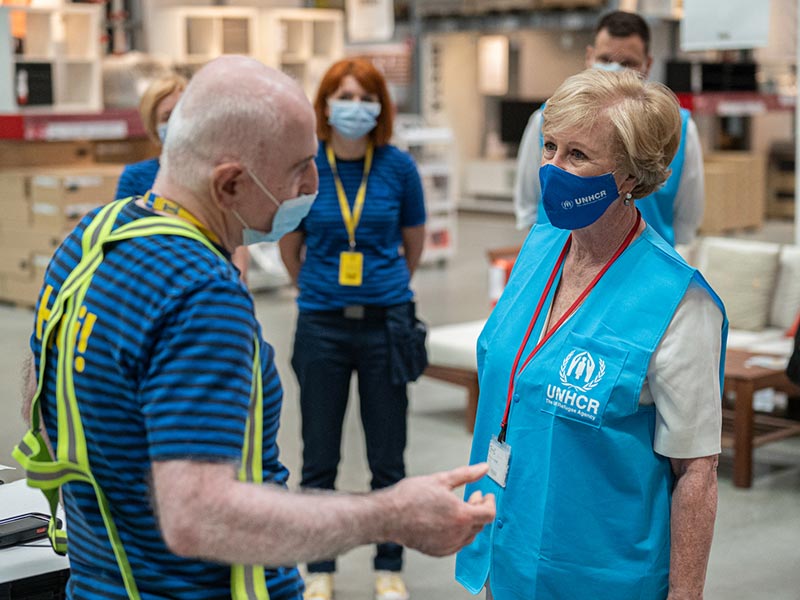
{"x":303,"y":43}
{"x":433,"y":150}
{"x":489,"y":185}
{"x":193,"y":35}
{"x":53,"y":62}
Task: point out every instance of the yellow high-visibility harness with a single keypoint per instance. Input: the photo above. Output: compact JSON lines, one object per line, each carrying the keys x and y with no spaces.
{"x":248,"y":582}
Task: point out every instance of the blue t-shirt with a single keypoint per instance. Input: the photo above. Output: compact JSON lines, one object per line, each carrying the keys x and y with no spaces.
{"x":137,"y":178}
{"x":394,"y":200}
{"x":167,"y":348}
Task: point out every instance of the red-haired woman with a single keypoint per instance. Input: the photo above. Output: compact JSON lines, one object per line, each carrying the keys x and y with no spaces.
{"x":352,"y":259}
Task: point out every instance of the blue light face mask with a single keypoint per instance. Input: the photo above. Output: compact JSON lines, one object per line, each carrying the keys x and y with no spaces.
{"x":286,"y":219}
{"x":614,"y":67}
{"x":572,"y":201}
{"x":353,"y":119}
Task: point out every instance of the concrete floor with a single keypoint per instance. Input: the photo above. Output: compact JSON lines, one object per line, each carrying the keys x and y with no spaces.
{"x":756,"y":551}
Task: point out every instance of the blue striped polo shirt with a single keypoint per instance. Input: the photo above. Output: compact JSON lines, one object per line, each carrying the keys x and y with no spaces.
{"x":394,"y":200}
{"x":167,"y":350}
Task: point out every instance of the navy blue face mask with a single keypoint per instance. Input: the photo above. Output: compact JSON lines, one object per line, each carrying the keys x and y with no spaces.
{"x":572,"y":201}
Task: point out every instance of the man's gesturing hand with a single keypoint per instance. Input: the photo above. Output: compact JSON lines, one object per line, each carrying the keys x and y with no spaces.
{"x":428,"y":517}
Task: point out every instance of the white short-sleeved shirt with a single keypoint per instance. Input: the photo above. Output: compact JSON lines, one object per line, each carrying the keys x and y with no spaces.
{"x":683,"y":380}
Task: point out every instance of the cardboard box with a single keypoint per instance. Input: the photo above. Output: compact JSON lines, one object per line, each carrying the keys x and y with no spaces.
{"x":15,"y":261}
{"x":16,"y":154}
{"x":14,"y":201}
{"x":735,"y":185}
{"x":22,"y":289}
{"x":570,"y":4}
{"x":489,"y":6}
{"x":124,"y":151}
{"x":40,"y":242}
{"x":59,"y":198}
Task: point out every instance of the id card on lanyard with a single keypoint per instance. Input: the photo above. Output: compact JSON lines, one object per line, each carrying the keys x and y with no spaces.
{"x":499,"y":456}
{"x":351,"y":262}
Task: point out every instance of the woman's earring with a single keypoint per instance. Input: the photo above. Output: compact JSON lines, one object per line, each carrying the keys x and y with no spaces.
{"x":627,"y":201}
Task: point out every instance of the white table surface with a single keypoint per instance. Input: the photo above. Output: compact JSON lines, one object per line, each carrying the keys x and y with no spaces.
{"x":19,"y":562}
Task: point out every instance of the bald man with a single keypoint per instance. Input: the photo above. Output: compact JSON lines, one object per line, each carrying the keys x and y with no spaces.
{"x":159,"y":396}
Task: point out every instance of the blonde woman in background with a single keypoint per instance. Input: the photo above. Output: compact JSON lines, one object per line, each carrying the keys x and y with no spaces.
{"x":155,"y":108}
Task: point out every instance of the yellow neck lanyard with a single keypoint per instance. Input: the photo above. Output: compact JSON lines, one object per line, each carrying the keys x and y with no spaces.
{"x":161,"y":204}
{"x":351,"y":219}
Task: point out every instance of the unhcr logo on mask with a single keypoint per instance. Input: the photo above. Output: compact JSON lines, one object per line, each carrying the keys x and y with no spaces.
{"x":581,"y":371}
{"x":591,"y":198}
{"x":567,"y":204}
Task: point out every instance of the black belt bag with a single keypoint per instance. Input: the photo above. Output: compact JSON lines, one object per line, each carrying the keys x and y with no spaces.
{"x":408,"y":356}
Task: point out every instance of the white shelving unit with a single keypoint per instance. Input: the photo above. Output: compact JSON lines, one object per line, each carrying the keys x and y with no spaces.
{"x":489,"y":185}
{"x":433,"y":150}
{"x":193,"y":35}
{"x":302,"y":42}
{"x":61,"y":48}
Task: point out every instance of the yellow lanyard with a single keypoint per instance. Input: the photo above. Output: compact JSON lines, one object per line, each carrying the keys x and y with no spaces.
{"x":351,"y":219}
{"x":161,"y":204}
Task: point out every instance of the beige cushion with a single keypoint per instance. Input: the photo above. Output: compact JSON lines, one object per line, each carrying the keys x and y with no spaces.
{"x":743,"y":273}
{"x":786,"y":302}
{"x":455,"y":345}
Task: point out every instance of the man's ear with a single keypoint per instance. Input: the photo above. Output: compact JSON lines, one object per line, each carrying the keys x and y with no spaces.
{"x":226,"y":184}
{"x":589,"y":57}
{"x":648,"y":64}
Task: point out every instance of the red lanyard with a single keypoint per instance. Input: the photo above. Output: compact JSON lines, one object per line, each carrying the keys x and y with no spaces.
{"x":548,"y":334}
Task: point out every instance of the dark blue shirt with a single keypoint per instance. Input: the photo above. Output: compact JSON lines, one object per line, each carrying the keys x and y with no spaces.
{"x":166,"y":351}
{"x":394,"y":201}
{"x":137,"y":178}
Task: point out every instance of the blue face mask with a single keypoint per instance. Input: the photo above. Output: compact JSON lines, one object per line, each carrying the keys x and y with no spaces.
{"x":286,"y":219}
{"x":353,"y":119}
{"x":572,"y":201}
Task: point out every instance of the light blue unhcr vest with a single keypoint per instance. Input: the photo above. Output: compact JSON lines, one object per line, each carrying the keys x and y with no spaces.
{"x":586,"y":508}
{"x":658,"y":208}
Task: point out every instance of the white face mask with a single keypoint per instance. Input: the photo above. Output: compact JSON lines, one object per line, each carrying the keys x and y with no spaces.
{"x":608,"y":66}
{"x":286,"y":219}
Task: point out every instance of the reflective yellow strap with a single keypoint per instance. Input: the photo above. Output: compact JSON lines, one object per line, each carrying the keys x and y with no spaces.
{"x":351,"y":220}
{"x":247,"y":582}
{"x":251,"y":468}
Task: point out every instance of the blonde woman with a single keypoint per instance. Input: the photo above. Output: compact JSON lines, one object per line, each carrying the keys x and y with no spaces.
{"x":600,"y":373}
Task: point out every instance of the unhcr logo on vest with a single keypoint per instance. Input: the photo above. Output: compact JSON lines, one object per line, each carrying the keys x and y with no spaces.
{"x":580,"y":372}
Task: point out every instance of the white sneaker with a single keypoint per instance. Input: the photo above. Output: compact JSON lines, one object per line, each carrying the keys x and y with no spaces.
{"x":319,"y":586}
{"x":389,"y":586}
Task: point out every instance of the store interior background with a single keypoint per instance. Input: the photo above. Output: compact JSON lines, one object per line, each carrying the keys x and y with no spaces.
{"x":461,"y":72}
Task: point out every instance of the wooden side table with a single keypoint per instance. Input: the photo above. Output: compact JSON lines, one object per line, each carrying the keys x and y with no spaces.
{"x":742,"y":428}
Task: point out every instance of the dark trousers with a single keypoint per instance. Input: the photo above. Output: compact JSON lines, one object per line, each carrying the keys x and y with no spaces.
{"x":328,"y":348}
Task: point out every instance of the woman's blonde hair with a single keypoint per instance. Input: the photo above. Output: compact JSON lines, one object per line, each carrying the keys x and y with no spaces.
{"x":158,"y":90}
{"x":644,"y":117}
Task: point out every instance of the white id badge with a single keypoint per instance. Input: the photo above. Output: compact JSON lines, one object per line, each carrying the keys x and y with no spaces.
{"x":498,"y":459}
